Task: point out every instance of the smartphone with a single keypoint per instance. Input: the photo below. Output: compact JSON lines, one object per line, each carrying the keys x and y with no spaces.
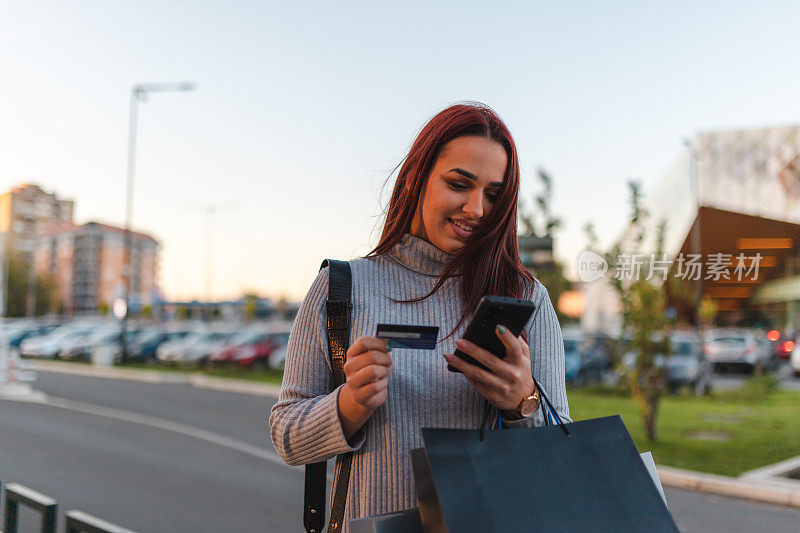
{"x":513,"y":313}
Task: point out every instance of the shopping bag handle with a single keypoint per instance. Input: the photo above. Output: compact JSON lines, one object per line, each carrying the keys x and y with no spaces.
{"x":548,"y":411}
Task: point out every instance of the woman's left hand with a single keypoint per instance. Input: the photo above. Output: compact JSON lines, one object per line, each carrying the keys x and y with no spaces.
{"x":508,"y":380}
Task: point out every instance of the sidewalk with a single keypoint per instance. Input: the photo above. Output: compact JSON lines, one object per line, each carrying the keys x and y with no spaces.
{"x":201,"y":381}
{"x":764,"y":485}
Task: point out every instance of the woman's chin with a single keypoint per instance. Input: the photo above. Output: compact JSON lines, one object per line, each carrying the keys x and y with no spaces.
{"x":450,"y":245}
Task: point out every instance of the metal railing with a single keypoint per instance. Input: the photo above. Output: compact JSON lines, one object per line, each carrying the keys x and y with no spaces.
{"x":76,"y":521}
{"x":80,"y":522}
{"x":17,"y":494}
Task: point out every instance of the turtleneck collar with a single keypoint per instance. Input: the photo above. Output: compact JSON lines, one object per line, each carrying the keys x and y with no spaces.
{"x":419,"y":255}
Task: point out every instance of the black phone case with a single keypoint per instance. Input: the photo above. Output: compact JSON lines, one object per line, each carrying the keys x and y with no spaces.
{"x":512,"y":313}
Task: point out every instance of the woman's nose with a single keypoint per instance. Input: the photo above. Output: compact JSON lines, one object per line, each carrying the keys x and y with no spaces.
{"x":474,"y":205}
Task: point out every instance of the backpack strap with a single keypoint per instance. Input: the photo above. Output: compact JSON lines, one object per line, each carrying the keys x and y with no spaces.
{"x":337,"y":309}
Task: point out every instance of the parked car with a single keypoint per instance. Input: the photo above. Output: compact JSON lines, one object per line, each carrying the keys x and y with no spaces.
{"x":244,"y":344}
{"x":583,"y":362}
{"x":78,"y":347}
{"x":782,"y":344}
{"x":771,"y":351}
{"x":106,"y":337}
{"x":145,"y":345}
{"x":193,"y":349}
{"x":201,"y":350}
{"x":260,"y":356}
{"x":50,"y":346}
{"x":15,"y":336}
{"x":277,"y":359}
{"x":794,"y":361}
{"x":172,"y":350}
{"x":733,"y":348}
{"x":687,"y":364}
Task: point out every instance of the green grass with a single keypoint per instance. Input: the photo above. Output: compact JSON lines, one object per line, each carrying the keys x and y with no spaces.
{"x":763,"y":426}
{"x":261,"y":376}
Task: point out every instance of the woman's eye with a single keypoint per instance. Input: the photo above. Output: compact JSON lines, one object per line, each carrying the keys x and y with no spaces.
{"x":491,"y":197}
{"x":457,"y":186}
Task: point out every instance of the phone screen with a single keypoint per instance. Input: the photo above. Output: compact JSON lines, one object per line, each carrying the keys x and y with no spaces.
{"x":513,"y":313}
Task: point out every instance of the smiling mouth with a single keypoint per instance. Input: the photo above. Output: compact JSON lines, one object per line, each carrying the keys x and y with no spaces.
{"x":461,"y":225}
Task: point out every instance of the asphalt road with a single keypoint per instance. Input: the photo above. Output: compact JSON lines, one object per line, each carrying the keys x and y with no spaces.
{"x":732,"y":380}
{"x":155,"y":457}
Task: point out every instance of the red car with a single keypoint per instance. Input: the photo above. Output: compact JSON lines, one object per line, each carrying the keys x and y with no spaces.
{"x":256,"y":357}
{"x":782,"y":345}
{"x":251,"y":349}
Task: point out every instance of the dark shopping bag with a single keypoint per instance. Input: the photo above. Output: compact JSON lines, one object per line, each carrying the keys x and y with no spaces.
{"x":400,"y":522}
{"x":582,"y":476}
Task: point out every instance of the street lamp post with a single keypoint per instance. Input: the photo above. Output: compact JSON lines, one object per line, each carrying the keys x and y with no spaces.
{"x":138,"y":94}
{"x":210,"y":210}
{"x":697,"y":248}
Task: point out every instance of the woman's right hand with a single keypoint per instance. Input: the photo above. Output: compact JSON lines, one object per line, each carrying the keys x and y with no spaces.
{"x":367,"y":369}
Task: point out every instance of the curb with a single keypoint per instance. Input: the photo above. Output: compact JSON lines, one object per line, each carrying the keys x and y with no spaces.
{"x":780,"y":491}
{"x":154,"y":376}
{"x":234,"y":385}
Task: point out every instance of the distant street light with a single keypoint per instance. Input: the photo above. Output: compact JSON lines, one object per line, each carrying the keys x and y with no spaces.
{"x":138,"y":94}
{"x":210,"y":210}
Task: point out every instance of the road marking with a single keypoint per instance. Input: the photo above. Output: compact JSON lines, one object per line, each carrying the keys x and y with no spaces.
{"x":175,"y":427}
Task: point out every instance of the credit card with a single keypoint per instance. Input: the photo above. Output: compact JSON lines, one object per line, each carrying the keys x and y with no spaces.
{"x":413,"y":337}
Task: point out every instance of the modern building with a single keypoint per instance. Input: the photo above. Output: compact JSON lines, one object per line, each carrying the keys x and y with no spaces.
{"x":89,"y":262}
{"x":27,"y":211}
{"x":731,"y":202}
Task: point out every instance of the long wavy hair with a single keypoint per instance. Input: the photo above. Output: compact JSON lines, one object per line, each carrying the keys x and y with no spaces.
{"x":489,"y":262}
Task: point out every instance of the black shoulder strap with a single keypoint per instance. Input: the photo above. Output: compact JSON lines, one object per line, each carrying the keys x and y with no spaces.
{"x":337,"y":309}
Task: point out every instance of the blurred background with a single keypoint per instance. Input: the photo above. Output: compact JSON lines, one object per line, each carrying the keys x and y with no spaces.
{"x":173,"y":173}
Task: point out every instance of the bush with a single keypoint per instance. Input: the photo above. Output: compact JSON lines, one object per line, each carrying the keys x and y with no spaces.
{"x":756,"y":388}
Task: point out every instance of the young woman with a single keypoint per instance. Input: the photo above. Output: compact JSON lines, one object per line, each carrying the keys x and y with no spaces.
{"x":450,"y":238}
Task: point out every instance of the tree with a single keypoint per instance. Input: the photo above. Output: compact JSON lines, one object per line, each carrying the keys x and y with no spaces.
{"x":250,"y":306}
{"x":543,"y":223}
{"x":642,"y":306}
{"x":592,"y":242}
{"x":46,"y":292}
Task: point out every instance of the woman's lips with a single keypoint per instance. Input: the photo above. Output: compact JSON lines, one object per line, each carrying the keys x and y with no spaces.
{"x":458,"y":231}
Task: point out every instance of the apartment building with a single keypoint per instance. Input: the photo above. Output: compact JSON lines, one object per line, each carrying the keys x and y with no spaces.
{"x":27,"y":211}
{"x":89,"y":260}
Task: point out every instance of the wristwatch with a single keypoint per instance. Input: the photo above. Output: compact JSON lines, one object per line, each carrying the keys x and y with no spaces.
{"x":526,"y":407}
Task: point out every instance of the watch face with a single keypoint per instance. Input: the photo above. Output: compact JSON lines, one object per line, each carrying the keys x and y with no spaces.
{"x":529,"y":407}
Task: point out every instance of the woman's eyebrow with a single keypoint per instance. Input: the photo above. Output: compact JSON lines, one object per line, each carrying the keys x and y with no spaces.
{"x":469,"y":175}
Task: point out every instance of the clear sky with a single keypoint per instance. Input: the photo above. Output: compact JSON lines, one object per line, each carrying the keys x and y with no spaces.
{"x":303,"y":109}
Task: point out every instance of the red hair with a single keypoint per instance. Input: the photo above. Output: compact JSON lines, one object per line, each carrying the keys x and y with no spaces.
{"x":491,"y":253}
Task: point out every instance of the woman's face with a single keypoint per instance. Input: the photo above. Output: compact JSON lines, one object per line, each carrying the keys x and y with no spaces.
{"x":460,"y":191}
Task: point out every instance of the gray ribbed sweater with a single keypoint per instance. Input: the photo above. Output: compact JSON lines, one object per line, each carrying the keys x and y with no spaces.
{"x":422,"y":392}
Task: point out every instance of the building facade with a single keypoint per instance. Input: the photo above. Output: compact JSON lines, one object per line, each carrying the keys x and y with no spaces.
{"x":27,"y":211}
{"x":89,"y":264}
{"x":731,"y":202}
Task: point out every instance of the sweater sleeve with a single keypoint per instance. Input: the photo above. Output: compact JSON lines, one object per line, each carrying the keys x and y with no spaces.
{"x":304,"y":423}
{"x":547,"y":359}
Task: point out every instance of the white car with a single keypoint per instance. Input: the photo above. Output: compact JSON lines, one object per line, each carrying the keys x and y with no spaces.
{"x":794,"y":360}
{"x":173,"y":350}
{"x":50,"y":346}
{"x":277,"y":359}
{"x":194,"y":348}
{"x":733,"y":347}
